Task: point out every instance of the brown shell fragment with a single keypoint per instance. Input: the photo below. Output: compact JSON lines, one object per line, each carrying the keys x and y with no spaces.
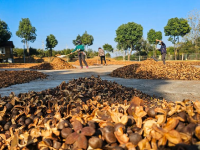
{"x":82,"y":142}
{"x":121,"y":137}
{"x":197,"y":106}
{"x":171,"y":124}
{"x":14,"y":142}
{"x":160,"y":119}
{"x":180,"y":126}
{"x":162,"y":141}
{"x":189,"y":129}
{"x":48,"y":142}
{"x":130,"y":146}
{"x":118,"y":125}
{"x":35,"y":132}
{"x":77,"y":125}
{"x":151,"y":112}
{"x":154,"y":144}
{"x":65,"y":132}
{"x":197,"y":132}
{"x":56,"y":144}
{"x":91,"y":113}
{"x":185,"y":138}
{"x":173,"y":136}
{"x":108,"y":134}
{"x":144,"y":144}
{"x":95,"y":142}
{"x":135,"y":138}
{"x":88,"y":131}
{"x":72,"y":138}
{"x":156,"y":135}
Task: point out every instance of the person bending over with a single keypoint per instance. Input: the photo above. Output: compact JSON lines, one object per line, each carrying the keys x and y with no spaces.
{"x":163,"y":50}
{"x":81,"y":53}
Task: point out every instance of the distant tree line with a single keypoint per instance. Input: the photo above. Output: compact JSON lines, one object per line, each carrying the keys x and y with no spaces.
{"x":19,"y":52}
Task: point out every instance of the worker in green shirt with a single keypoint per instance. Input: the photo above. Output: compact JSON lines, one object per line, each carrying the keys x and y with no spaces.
{"x":81,"y":54}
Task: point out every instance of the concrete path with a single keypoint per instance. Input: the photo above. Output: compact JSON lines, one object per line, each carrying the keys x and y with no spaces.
{"x":174,"y":90}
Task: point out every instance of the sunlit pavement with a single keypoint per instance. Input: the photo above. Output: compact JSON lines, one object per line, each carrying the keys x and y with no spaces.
{"x":174,"y":90}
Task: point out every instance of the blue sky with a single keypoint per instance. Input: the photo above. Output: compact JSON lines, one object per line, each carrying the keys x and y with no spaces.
{"x":67,"y":18}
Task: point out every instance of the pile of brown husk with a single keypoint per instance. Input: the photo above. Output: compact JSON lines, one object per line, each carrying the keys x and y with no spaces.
{"x":8,"y":78}
{"x":151,"y":69}
{"x":17,"y":65}
{"x":90,"y":113}
{"x":109,"y":61}
{"x":56,"y":64}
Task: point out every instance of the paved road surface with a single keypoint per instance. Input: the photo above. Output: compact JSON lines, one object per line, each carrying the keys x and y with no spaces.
{"x":174,"y":90}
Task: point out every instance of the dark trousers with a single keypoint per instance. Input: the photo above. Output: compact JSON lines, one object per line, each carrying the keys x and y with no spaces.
{"x":81,"y":58}
{"x":103,"y":58}
{"x":163,"y":58}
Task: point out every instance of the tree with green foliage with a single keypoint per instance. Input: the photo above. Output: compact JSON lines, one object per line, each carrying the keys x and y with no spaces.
{"x":186,"y":47}
{"x":152,"y":35}
{"x":108,"y":55}
{"x":27,"y":32}
{"x":193,"y":19}
{"x":41,"y":52}
{"x":33,"y":51}
{"x":78,"y":38}
{"x":170,"y":49}
{"x":108,"y":47}
{"x":176,"y":27}
{"x":51,"y":42}
{"x":68,"y":51}
{"x":138,"y":47}
{"x":123,"y":47}
{"x":5,"y":34}
{"x":91,"y":53}
{"x":18,"y":52}
{"x":146,"y":46}
{"x":129,"y":34}
{"x":87,"y":39}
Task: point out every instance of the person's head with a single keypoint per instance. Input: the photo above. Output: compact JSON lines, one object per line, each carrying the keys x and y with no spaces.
{"x":161,"y":43}
{"x":99,"y":48}
{"x":78,"y":42}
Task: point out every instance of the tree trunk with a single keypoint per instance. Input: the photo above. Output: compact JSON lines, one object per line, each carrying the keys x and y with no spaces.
{"x":124,"y":55}
{"x":129,"y":55}
{"x":154,"y":50}
{"x":139,"y":55}
{"x":27,"y":47}
{"x":174,"y":52}
{"x":174,"y":49}
{"x":51,"y":52}
{"x":178,"y":54}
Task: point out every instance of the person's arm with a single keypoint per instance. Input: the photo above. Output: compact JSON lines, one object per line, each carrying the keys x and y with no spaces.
{"x":74,"y":50}
{"x":158,"y":40}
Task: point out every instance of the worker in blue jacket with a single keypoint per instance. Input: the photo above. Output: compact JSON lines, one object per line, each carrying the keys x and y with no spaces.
{"x":162,"y":49}
{"x":81,"y":54}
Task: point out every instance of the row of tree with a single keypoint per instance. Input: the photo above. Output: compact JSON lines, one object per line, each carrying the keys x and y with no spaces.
{"x":19,"y":52}
{"x":28,"y":34}
{"x":129,"y":36}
